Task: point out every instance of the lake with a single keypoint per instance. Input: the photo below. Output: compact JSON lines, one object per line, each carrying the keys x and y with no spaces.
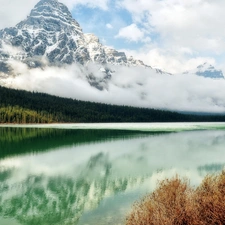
{"x":84,"y":174}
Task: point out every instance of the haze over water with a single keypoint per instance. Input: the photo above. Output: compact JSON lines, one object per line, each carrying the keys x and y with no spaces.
{"x":93,"y":176}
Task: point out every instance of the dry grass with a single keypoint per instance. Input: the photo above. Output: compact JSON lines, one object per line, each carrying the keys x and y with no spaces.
{"x":175,"y":202}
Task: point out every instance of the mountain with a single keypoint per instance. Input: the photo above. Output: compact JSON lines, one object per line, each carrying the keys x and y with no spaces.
{"x":50,"y":35}
{"x":208,"y":71}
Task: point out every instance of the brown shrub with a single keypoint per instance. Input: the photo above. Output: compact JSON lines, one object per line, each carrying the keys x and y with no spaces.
{"x":210,"y":198}
{"x":175,"y":202}
{"x":168,"y":204}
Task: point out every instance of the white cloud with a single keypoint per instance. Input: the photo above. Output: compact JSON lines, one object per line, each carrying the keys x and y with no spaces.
{"x":10,"y":49}
{"x":109,"y":26}
{"x":192,"y":25}
{"x":13,"y":11}
{"x":102,"y":4}
{"x":173,"y":62}
{"x":131,"y":33}
{"x":135,"y":86}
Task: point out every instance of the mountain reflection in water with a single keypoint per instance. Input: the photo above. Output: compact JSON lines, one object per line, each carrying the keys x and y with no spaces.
{"x":53,"y":176}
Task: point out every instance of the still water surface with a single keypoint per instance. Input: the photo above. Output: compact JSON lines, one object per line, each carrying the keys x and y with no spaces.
{"x":93,"y":176}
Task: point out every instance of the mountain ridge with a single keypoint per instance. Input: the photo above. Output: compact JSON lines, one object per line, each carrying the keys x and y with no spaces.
{"x":50,"y":31}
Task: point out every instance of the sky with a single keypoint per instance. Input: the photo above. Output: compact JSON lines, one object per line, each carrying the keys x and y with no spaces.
{"x":173,"y":35}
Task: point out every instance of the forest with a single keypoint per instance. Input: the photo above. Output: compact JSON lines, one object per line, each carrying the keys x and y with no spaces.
{"x":18,"y":106}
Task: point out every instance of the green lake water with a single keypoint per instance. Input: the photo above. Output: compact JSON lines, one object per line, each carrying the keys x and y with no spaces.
{"x":77,"y":176}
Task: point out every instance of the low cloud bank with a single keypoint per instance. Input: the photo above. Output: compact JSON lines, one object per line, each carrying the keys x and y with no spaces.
{"x":133,"y":86}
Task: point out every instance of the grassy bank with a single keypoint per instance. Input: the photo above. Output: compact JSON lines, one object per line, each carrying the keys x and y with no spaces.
{"x":175,"y":202}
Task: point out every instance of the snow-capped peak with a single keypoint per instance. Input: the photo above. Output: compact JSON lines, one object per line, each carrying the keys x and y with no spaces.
{"x":51,"y":32}
{"x":208,"y":71}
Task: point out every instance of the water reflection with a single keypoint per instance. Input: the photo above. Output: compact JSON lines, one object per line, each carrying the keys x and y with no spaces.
{"x":14,"y":141}
{"x":91,"y":176}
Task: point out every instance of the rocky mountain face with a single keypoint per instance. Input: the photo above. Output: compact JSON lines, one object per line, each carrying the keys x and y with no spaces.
{"x":208,"y":71}
{"x":50,"y":35}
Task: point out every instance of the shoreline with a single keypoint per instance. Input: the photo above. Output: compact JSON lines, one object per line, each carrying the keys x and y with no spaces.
{"x":147,"y":127}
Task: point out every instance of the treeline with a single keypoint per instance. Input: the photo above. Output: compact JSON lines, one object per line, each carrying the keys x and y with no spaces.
{"x":17,"y":106}
{"x":16,"y":114}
